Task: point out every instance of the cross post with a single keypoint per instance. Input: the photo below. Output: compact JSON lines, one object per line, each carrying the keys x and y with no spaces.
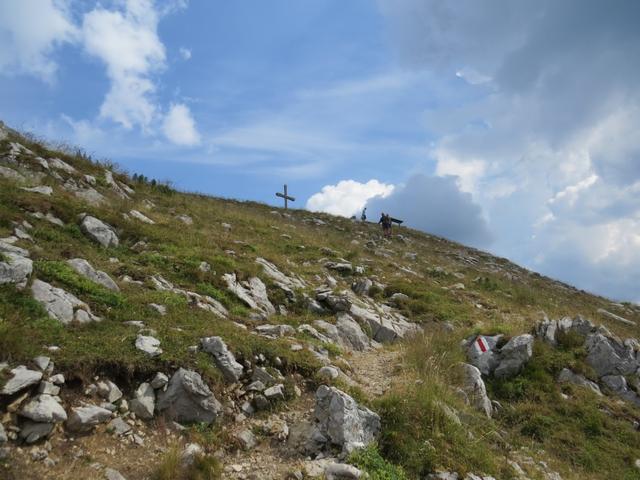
{"x":286,"y":197}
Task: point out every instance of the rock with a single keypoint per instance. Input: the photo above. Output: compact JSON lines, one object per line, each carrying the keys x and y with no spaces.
{"x":335,"y":302}
{"x":342,"y":471}
{"x":261,"y":402}
{"x":91,"y":196}
{"x":159,"y":381}
{"x":223,"y":358}
{"x":21,"y":379}
{"x":3,"y":435}
{"x":118,"y":426}
{"x":31,"y":432}
{"x":85,"y":269}
{"x":475,"y":389}
{"x":351,"y":335}
{"x":141,"y":217}
{"x":41,"y":189}
{"x":61,"y":165}
{"x":608,"y":357}
{"x":43,"y":408}
{"x":161,"y":309}
{"x":42,"y":362}
{"x":362,"y":286}
{"x":246,"y":439}
{"x":252,"y":293}
{"x":148,"y":345}
{"x":342,"y":267}
{"x":83,"y":419}
{"x":111,"y":474}
{"x":328,"y":373}
{"x":276,"y":330}
{"x":99,"y":232}
{"x":61,"y":305}
{"x":186,"y":219}
{"x":482,"y":353}
{"x":48,"y":388}
{"x":275,"y":393}
{"x":143,"y":405}
{"x":109,"y":391}
{"x":386,"y":325}
{"x":189,"y":454}
{"x":305,"y":439}
{"x":188,"y":399}
{"x":262,"y":375}
{"x":14,"y":267}
{"x":11,"y":174}
{"x":567,"y":376}
{"x":514,"y":355}
{"x":286,"y":283}
{"x":57,"y":379}
{"x":343,"y":421}
{"x":613,"y":316}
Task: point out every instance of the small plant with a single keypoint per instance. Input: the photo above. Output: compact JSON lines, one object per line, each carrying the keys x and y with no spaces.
{"x":370,"y":460}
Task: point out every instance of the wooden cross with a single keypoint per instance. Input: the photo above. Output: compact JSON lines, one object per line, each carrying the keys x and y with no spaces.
{"x":286,"y":197}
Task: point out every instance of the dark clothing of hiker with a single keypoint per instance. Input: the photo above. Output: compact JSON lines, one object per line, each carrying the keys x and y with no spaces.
{"x":385,"y":220}
{"x":363,"y":217}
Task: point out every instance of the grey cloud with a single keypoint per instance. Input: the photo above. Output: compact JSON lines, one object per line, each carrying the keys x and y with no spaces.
{"x":435,"y":205}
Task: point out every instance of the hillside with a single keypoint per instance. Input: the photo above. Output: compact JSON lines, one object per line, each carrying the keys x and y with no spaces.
{"x":162,"y":334}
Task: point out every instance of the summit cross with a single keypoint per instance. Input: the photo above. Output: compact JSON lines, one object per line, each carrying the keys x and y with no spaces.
{"x":286,"y":197}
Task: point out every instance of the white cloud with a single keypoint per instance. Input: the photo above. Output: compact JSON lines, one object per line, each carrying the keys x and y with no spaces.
{"x":127,"y":42}
{"x":30,"y":30}
{"x":347,"y":197}
{"x":185,"y":53}
{"x":179,"y":126}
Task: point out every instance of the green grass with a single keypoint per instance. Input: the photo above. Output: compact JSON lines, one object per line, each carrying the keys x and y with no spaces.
{"x":370,"y":461}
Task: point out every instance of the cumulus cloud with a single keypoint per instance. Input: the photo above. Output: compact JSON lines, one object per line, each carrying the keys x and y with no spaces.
{"x":347,"y":197}
{"x":547,"y":145}
{"x":127,"y":42}
{"x":179,"y":126}
{"x":435,"y":205}
{"x":30,"y":30}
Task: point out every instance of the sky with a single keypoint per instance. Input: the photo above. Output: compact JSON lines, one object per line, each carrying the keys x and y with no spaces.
{"x":508,"y":125}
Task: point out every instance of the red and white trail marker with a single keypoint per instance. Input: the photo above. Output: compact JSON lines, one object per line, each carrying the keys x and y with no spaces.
{"x":480,"y":344}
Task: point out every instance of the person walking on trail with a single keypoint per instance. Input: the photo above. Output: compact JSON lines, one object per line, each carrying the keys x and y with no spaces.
{"x":385,"y":220}
{"x":363,"y":217}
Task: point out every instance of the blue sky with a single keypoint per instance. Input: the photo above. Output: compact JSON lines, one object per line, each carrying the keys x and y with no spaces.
{"x":506,"y":124}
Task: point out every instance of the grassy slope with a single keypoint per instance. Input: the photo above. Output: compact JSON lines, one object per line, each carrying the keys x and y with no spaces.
{"x":581,"y":436}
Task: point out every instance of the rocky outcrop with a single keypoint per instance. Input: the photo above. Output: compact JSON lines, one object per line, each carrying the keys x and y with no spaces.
{"x":85,"y":269}
{"x":188,"y":399}
{"x":203,"y":302}
{"x":343,"y":421}
{"x":252,"y":293}
{"x":609,"y":356}
{"x":99,"y":231}
{"x":475,"y":390}
{"x":288,"y":283}
{"x":61,"y":305}
{"x":14,"y":268}
{"x":144,"y":401}
{"x":549,"y":330}
{"x":350,"y":333}
{"x":504,"y":362}
{"x":148,"y":345}
{"x":223,"y":358}
{"x":567,"y":376}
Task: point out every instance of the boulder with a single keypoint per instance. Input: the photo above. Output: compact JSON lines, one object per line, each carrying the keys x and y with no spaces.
{"x":99,"y":232}
{"x":276,"y":330}
{"x":514,"y":355}
{"x":41,"y":189}
{"x":141,"y":217}
{"x":91,"y":196}
{"x":84,"y":268}
{"x":351,"y":335}
{"x":246,"y":439}
{"x":159,"y":381}
{"x":42,"y":362}
{"x":3,"y":435}
{"x":482,"y":353}
{"x":223,"y":358}
{"x":386,"y":325}
{"x":61,"y":305}
{"x":609,"y":357}
{"x":342,"y":471}
{"x":15,"y":268}
{"x":567,"y":376}
{"x":31,"y":432}
{"x":286,"y":283}
{"x":188,"y":399}
{"x":342,"y":267}
{"x":118,"y":426}
{"x":148,"y":345}
{"x":305,"y":439}
{"x":111,"y":474}
{"x":474,"y":387}
{"x":252,"y":293}
{"x":109,"y":391}
{"x":343,"y":421}
{"x":328,"y":373}
{"x":143,"y":405}
{"x":43,"y":408}
{"x":361,"y":286}
{"x":21,"y":378}
{"x":275,"y":393}
{"x":83,"y":419}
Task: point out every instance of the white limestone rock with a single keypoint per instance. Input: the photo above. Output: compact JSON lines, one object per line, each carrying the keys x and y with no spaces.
{"x":84,"y":268}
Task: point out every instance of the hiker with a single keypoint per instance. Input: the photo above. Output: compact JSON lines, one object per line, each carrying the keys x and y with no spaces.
{"x":385,"y":220}
{"x":363,"y":217}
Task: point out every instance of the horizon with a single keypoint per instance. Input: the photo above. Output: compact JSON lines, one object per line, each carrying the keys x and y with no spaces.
{"x":506,"y":126}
